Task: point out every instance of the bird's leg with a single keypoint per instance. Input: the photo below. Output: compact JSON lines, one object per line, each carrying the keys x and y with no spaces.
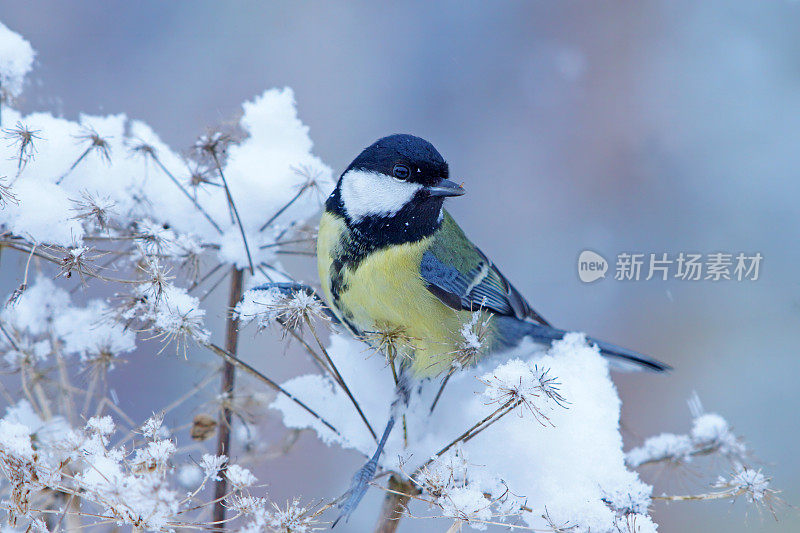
{"x":361,"y":479}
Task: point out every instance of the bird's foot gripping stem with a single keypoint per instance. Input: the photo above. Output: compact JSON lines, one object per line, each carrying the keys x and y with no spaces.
{"x":358,"y":487}
{"x":361,"y":479}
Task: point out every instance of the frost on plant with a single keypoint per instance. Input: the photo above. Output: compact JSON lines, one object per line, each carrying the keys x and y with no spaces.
{"x":120,"y":240}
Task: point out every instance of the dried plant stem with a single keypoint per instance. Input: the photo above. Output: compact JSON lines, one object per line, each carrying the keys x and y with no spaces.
{"x":290,"y":241}
{"x":8,"y":336}
{"x":171,"y":176}
{"x":232,"y":205}
{"x":490,"y":419}
{"x":228,"y":375}
{"x":23,"y":246}
{"x":667,"y":458}
{"x":285,"y":207}
{"x":75,"y":164}
{"x":271,"y":383}
{"x":207,"y":275}
{"x":441,"y":390}
{"x":701,"y":497}
{"x":394,"y":504}
{"x":340,"y":380}
{"x":318,"y":361}
{"x":400,"y":491}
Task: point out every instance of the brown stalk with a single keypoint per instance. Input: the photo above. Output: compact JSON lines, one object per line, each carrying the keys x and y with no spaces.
{"x":394,"y":504}
{"x":228,"y":375}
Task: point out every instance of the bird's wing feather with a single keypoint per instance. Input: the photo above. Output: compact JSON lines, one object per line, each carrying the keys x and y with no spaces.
{"x":462,"y":277}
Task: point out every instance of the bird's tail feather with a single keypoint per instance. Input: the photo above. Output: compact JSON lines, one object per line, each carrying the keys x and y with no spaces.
{"x":620,"y":358}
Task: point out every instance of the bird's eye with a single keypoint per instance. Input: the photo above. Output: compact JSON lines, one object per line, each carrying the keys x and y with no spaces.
{"x":401,"y":172}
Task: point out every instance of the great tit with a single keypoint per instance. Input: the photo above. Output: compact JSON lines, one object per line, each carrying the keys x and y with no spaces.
{"x":393,"y":264}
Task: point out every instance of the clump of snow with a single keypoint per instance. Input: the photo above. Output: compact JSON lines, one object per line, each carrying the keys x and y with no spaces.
{"x":44,"y":309}
{"x":265,"y":306}
{"x":710,"y":434}
{"x":747,"y":481}
{"x":239,"y":477}
{"x":37,"y":308}
{"x":16,"y":60}
{"x":571,"y":469}
{"x":179,"y":314}
{"x":190,"y":476}
{"x":124,"y":163}
{"x":43,"y":214}
{"x":259,"y":305}
{"x":212,"y":464}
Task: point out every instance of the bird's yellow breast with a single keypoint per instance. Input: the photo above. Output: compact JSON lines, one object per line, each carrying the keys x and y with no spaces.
{"x":382,"y":293}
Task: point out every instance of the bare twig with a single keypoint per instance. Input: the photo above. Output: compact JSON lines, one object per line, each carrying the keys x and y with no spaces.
{"x":303,"y":188}
{"x":271,"y":383}
{"x":340,"y":379}
{"x":232,"y":205}
{"x":152,"y":153}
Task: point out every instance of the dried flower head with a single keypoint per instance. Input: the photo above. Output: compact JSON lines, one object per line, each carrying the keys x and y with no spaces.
{"x":473,"y":337}
{"x":212,"y":465}
{"x":179,"y":326}
{"x":154,"y":238}
{"x":96,"y":142}
{"x":22,"y":138}
{"x":311,"y":180}
{"x":6,"y":194}
{"x":391,"y":341}
{"x":290,"y":308}
{"x":213,"y":145}
{"x":97,"y":210}
{"x":517,"y":383}
{"x":239,"y":477}
{"x":142,"y":149}
{"x":200,"y":175}
{"x":156,"y":278}
{"x":294,"y":518}
{"x":747,"y":482}
{"x":77,"y":259}
{"x":152,"y":426}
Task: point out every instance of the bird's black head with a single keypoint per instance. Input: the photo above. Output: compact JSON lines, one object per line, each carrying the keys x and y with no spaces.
{"x":394,"y":190}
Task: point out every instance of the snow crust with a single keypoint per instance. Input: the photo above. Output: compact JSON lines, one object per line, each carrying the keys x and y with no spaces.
{"x":563,"y":456}
{"x":16,"y":60}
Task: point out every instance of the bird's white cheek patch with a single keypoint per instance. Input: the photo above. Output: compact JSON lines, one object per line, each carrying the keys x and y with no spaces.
{"x":374,"y":194}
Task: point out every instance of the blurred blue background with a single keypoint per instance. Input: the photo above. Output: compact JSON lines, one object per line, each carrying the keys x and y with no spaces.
{"x":615,"y":126}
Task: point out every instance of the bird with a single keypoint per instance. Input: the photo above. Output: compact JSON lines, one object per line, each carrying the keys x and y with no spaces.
{"x":394,"y":264}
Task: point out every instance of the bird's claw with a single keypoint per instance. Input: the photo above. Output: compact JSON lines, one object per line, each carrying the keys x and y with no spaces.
{"x":358,"y":487}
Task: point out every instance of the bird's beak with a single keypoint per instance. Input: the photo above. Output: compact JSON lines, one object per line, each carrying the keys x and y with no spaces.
{"x":446,"y":188}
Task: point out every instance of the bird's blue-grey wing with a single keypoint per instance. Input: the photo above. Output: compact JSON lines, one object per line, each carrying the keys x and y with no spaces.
{"x":462,"y":277}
